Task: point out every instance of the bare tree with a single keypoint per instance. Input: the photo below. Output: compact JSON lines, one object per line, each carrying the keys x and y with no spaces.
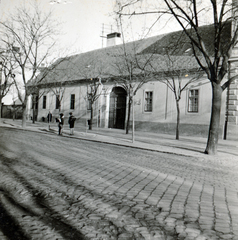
{"x":176,"y":78}
{"x":48,"y":80}
{"x":7,"y":69}
{"x":58,"y":91}
{"x":130,"y":71}
{"x":36,"y":95}
{"x":211,"y":54}
{"x":90,"y":71}
{"x":28,"y":36}
{"x":93,"y":94}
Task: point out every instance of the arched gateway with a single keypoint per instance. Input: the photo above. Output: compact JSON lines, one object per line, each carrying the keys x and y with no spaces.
{"x":117,"y":108}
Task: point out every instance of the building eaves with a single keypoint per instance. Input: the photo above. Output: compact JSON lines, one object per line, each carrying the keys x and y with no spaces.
{"x":99,"y":62}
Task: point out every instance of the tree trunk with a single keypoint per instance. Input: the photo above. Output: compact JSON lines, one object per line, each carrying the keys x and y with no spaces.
{"x":34,"y":109}
{"x":178,"y":119}
{"x":14,"y":112}
{"x":213,"y":134}
{"x":0,"y":105}
{"x":24,"y":113}
{"x":91,"y":118}
{"x":128,"y":115}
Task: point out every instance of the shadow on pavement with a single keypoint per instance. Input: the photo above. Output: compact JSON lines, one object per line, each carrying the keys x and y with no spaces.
{"x":34,"y":206}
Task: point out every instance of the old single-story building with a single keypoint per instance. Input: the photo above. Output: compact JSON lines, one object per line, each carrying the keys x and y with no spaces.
{"x":165,"y":58}
{"x":13,"y":110}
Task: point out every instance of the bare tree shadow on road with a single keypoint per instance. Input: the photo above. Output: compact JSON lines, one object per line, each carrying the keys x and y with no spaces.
{"x":31,"y":205}
{"x":10,"y":227}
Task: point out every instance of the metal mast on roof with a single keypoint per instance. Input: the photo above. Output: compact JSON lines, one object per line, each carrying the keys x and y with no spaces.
{"x":106,"y":29}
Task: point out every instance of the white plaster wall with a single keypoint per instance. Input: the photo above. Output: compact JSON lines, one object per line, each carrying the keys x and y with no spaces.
{"x":159,"y":104}
{"x":158,"y":114}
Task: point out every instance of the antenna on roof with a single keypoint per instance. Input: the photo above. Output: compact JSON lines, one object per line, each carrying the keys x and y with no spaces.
{"x":106,"y":29}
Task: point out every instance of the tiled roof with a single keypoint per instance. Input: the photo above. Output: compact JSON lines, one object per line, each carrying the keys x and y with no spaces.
{"x":101,"y":62}
{"x":178,"y":43}
{"x":96,"y":63}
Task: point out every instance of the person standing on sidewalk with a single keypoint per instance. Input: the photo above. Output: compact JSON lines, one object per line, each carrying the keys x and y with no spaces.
{"x":49,"y":118}
{"x":61,"y":123}
{"x":71,"y":122}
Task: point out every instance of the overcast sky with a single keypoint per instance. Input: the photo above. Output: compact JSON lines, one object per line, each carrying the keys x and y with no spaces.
{"x":82,"y":20}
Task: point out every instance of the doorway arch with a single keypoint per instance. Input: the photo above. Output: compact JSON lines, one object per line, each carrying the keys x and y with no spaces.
{"x":117,"y":108}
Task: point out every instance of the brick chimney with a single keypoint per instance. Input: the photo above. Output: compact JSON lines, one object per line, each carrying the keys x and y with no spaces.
{"x":113,"y":39}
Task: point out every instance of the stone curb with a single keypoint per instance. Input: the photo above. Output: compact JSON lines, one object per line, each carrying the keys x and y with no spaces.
{"x":118,"y":142}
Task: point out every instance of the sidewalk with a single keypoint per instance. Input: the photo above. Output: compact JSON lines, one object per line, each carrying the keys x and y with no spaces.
{"x":189,"y":146}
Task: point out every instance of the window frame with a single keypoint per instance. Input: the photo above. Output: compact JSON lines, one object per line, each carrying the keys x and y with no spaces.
{"x":72,"y":101}
{"x":150,"y":100}
{"x":193,"y":101}
{"x":44,"y":102}
{"x":57,"y":101}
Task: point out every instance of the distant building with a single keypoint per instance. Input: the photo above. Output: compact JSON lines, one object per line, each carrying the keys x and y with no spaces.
{"x":13,"y":111}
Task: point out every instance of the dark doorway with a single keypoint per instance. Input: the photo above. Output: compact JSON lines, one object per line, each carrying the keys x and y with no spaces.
{"x":117,"y":109}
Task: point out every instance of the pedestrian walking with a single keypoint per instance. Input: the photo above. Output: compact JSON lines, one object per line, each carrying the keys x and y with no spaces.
{"x":71,"y":122}
{"x":61,"y":123}
{"x":49,"y":119}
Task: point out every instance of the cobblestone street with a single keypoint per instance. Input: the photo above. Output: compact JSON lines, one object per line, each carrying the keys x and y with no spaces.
{"x":53,"y":187}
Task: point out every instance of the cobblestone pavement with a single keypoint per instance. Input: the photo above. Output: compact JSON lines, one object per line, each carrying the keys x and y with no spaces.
{"x":53,"y":187}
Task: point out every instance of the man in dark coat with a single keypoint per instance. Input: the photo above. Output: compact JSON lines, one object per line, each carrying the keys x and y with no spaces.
{"x":71,"y":123}
{"x":61,"y":123}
